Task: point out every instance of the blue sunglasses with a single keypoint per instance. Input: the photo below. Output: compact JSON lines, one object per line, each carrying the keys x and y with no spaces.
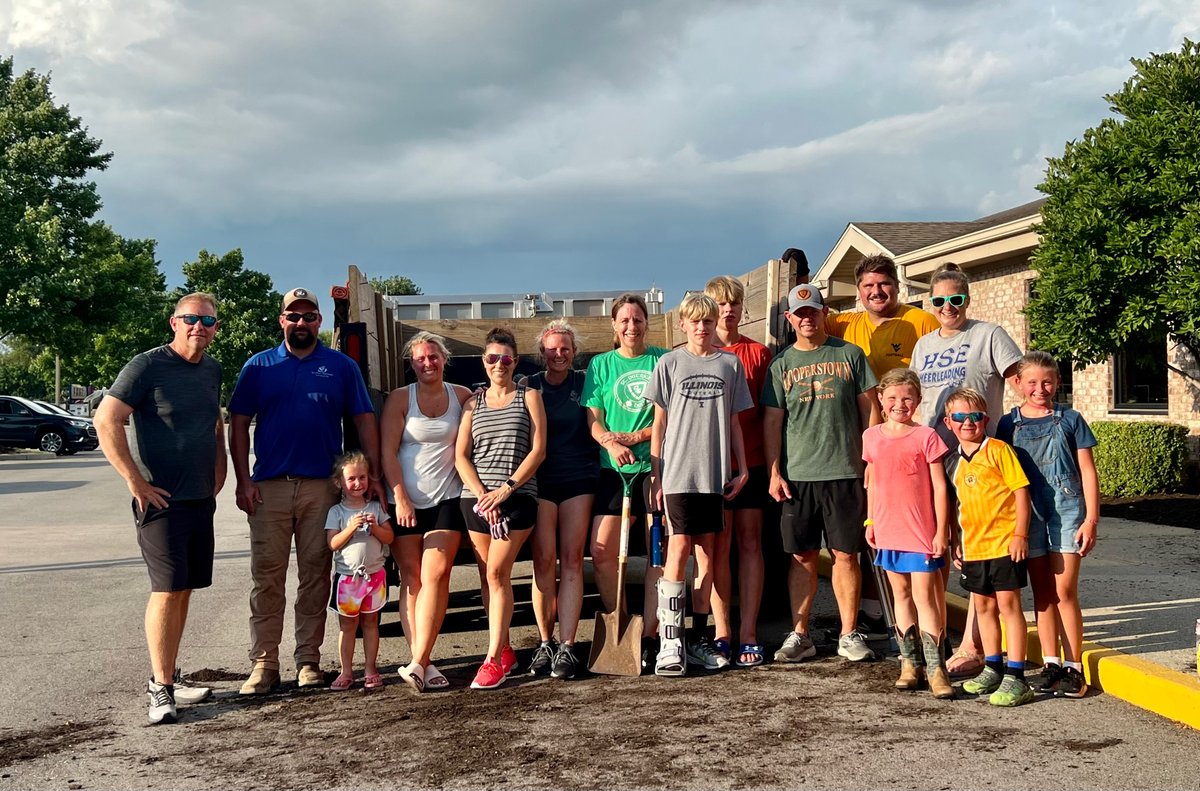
{"x":190,"y":319}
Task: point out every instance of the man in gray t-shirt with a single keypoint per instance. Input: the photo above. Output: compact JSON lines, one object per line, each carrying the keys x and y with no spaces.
{"x":174,"y":469}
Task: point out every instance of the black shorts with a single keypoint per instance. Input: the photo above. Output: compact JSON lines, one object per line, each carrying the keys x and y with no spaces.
{"x":694,"y":514}
{"x":559,"y":492}
{"x":754,"y":494}
{"x":177,"y":544}
{"x":610,"y":491}
{"x":835,"y":509}
{"x":446,"y":515}
{"x":521,"y":510}
{"x":996,"y":574}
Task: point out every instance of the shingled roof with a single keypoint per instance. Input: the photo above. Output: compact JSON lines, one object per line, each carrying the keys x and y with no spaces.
{"x":904,"y":237}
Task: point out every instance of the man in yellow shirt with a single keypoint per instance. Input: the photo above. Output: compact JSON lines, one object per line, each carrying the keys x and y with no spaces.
{"x":886,"y":330}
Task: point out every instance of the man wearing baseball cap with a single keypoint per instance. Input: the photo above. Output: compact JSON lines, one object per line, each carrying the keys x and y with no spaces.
{"x":299,"y":392}
{"x":817,"y":403}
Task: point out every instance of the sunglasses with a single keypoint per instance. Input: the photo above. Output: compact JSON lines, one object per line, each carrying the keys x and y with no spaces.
{"x":503,"y":359}
{"x":957,"y":300}
{"x":963,"y":417}
{"x":190,"y":319}
{"x":312,"y":317}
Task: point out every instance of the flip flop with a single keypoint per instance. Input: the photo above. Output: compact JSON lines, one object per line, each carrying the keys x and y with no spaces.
{"x":342,"y":682}
{"x":755,"y":650}
{"x":434,"y":678}
{"x":373,"y":681}
{"x":414,"y":678}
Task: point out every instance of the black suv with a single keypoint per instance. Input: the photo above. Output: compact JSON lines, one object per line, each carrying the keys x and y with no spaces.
{"x":29,"y":424}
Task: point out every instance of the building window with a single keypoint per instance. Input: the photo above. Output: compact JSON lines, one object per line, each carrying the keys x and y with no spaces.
{"x":1140,"y":375}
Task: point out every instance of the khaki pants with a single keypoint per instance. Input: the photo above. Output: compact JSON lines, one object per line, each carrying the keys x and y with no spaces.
{"x":289,"y":508}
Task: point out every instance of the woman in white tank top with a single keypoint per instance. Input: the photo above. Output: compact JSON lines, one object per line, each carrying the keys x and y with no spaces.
{"x":419,"y":429}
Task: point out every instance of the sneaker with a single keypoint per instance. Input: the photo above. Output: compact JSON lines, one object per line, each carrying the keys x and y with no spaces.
{"x":543,"y":658}
{"x":262,"y":680}
{"x":508,"y":660}
{"x":854,"y":647}
{"x":796,"y":648}
{"x":309,"y":674}
{"x":162,"y":702}
{"x":490,"y":675}
{"x":987,"y":682}
{"x":1072,"y":685}
{"x":871,"y":628}
{"x":1013,"y":691}
{"x":649,"y":653}
{"x":187,"y":693}
{"x":565,"y":664}
{"x":1051,"y":677}
{"x":702,"y":653}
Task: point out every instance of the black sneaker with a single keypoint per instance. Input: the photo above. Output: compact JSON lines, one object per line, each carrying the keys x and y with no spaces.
{"x":162,"y":702}
{"x":649,"y":654}
{"x":1072,"y":684}
{"x":871,"y":628}
{"x":565,"y":664}
{"x":543,"y":658}
{"x":1052,"y":675}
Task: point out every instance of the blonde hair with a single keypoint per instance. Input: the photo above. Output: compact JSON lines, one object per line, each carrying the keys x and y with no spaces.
{"x":345,"y":460}
{"x":698,"y":306}
{"x":724,"y":288}
{"x":951,"y":272}
{"x":1038,"y":359}
{"x":971,"y":397}
{"x":432,"y":339}
{"x":557,"y":327}
{"x":197,"y":296}
{"x":900,"y":376}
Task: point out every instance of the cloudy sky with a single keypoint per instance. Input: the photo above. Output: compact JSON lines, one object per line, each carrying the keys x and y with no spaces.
{"x":522,"y":145}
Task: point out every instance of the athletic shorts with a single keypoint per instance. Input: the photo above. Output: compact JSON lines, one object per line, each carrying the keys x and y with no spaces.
{"x":694,"y":514}
{"x":559,"y":493}
{"x":996,"y":574}
{"x":521,"y":510}
{"x":446,"y":515}
{"x":754,"y":494}
{"x":352,"y":596}
{"x":177,"y":544}
{"x":833,"y":509}
{"x":901,"y":562}
{"x":610,"y":490}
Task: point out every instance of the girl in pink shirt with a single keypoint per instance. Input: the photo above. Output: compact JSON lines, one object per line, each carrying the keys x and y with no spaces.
{"x":907,"y":525}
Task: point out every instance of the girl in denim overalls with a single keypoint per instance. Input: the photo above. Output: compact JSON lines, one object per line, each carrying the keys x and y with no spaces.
{"x":1054,"y":444}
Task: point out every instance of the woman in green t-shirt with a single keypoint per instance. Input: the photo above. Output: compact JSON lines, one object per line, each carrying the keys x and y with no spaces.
{"x":620,"y":420}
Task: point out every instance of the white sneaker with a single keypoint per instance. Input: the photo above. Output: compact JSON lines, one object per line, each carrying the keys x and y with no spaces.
{"x":854,"y":647}
{"x":187,"y":693}
{"x":162,"y":702}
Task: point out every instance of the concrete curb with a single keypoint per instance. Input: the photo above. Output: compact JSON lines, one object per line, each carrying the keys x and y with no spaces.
{"x":1147,"y":685}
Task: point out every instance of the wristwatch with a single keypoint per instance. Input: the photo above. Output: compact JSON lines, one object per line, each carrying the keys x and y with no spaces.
{"x":510,"y":483}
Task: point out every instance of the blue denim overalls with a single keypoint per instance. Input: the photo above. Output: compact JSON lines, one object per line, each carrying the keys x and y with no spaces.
{"x":1055,"y":488}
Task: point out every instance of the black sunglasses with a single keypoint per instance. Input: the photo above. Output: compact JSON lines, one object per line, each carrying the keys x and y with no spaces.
{"x":312,"y":317}
{"x":190,"y":319}
{"x":957,"y":300}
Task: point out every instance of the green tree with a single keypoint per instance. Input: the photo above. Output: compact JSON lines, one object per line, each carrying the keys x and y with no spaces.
{"x":47,"y":202}
{"x":248,"y":306}
{"x":22,"y":374}
{"x":1119,"y":257}
{"x":395,"y":286}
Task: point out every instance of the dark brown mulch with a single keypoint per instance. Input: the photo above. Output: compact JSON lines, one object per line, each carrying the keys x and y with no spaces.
{"x":1176,"y":510}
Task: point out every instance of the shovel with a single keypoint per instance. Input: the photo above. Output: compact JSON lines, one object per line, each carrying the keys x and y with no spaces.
{"x":617,"y":638}
{"x":887,"y":602}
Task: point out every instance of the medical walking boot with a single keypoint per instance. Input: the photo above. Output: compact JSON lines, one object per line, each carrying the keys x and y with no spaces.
{"x":912,"y":661}
{"x":935,"y":668}
{"x":672,"y":658}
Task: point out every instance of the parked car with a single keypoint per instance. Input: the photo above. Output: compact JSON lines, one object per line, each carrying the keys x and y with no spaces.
{"x":30,"y":424}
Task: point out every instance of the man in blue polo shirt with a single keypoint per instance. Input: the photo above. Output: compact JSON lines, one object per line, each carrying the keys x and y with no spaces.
{"x":299,"y":392}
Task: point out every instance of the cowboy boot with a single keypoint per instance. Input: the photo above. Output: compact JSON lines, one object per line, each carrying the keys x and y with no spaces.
{"x":912,"y":664}
{"x":939,"y":679}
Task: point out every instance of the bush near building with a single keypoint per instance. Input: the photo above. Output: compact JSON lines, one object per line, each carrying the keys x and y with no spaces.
{"x":1135,"y":459}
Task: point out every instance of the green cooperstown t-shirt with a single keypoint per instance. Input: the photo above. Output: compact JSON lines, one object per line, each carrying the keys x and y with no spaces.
{"x":818,"y":390}
{"x":617,"y":385}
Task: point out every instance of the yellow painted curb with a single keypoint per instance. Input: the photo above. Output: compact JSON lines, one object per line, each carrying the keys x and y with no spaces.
{"x":1168,"y":693}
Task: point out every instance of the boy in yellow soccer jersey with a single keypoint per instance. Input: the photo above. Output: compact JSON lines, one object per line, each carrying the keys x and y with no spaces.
{"x":993,"y":512}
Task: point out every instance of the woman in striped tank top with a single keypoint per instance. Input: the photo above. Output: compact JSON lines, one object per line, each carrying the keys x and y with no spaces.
{"x":501,"y":442}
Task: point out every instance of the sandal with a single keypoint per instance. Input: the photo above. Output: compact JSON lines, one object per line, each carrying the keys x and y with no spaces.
{"x":343,"y":682}
{"x":434,"y":679}
{"x":964,"y":663}
{"x":373,"y":681}
{"x":722,"y":646}
{"x":754,"y":650}
{"x":414,"y":676}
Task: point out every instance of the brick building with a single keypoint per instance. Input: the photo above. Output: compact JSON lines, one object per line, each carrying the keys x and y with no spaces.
{"x":1143,"y":382}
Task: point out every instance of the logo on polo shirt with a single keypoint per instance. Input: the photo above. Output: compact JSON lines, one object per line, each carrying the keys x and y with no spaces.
{"x":322,"y":371}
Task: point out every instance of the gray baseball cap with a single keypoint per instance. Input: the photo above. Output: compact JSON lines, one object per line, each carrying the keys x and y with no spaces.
{"x":805,"y":295}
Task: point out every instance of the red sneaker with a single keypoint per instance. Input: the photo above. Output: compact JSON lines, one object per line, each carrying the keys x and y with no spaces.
{"x":489,"y":676}
{"x":508,"y":660}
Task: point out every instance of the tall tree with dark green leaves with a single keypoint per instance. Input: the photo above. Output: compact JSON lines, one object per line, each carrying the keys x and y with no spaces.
{"x":394,"y":286}
{"x":47,"y":202}
{"x":248,"y":306}
{"x":1119,"y":258}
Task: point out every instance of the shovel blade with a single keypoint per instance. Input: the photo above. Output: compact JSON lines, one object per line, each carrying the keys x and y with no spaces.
{"x":616,"y":645}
